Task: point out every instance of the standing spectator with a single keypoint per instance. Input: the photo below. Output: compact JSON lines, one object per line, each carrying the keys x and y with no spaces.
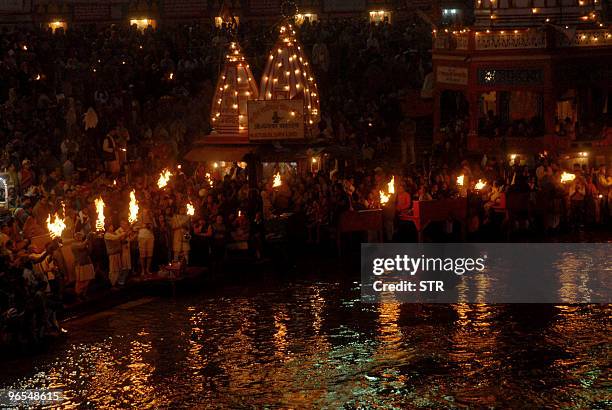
{"x":112,"y":241}
{"x":84,"y":268}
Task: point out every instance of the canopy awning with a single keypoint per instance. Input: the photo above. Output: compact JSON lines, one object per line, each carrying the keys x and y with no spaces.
{"x":228,"y":153}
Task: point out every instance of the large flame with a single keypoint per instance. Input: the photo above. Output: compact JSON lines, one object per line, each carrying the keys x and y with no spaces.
{"x":190,"y":209}
{"x":164,"y":177}
{"x":391,"y":185}
{"x":56,"y":227}
{"x":100,"y":211}
{"x":384,"y":198}
{"x":567,"y":177}
{"x":277,"y":180}
{"x":480,"y":184}
{"x":460,"y":180}
{"x":133,"y":217}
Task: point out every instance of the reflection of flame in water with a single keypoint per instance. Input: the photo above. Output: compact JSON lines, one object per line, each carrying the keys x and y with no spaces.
{"x":573,"y":275}
{"x":139,"y":370}
{"x":199,"y":350}
{"x":280,"y":335}
{"x":389,"y":332}
{"x":474,"y":342}
{"x":317,"y":304}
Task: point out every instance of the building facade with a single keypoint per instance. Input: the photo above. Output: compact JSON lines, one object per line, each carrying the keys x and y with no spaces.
{"x":526,"y":76}
{"x":172,"y":11}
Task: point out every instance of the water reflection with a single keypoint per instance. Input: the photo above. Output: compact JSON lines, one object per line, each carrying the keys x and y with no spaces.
{"x":304,"y":344}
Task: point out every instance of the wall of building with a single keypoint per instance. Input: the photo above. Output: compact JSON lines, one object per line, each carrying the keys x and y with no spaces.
{"x":81,"y":11}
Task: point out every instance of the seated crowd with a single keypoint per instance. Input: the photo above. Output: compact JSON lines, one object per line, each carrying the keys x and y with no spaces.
{"x":92,"y":114}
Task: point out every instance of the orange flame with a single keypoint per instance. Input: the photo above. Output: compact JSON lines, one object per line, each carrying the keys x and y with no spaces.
{"x":133,"y":217}
{"x":391,"y":185}
{"x":190,"y":209}
{"x":460,"y":180}
{"x":56,"y":227}
{"x":384,"y":198}
{"x":567,"y":177}
{"x":100,"y":211}
{"x":277,"y":180}
{"x":480,"y":184}
{"x":164,"y":177}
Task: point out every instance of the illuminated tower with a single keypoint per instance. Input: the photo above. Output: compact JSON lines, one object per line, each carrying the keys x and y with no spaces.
{"x":235,"y":87}
{"x":288,"y":75}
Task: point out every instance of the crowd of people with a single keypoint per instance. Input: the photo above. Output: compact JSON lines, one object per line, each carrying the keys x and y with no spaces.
{"x":88,"y":114}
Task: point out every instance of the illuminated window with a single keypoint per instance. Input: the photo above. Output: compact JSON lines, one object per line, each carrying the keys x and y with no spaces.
{"x":3,"y":193}
{"x":302,"y":18}
{"x":55,"y":25}
{"x":219,"y":21}
{"x":143,"y":23}
{"x":380,"y":16}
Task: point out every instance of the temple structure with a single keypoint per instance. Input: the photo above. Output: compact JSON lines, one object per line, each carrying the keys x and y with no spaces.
{"x":288,"y":76}
{"x":235,"y":86}
{"x":228,"y":140}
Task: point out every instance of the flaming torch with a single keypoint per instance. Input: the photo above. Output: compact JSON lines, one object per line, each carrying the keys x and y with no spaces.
{"x":460,"y":180}
{"x":164,"y":177}
{"x":190,"y":209}
{"x":480,"y":184}
{"x":391,"y":185}
{"x":567,"y":177}
{"x":100,"y":211}
{"x":277,"y":180}
{"x":56,"y":227}
{"x":209,"y":179}
{"x":384,"y":198}
{"x":133,"y":217}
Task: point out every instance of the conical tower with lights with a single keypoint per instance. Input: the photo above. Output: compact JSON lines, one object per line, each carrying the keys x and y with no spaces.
{"x":288,"y":75}
{"x":235,"y":87}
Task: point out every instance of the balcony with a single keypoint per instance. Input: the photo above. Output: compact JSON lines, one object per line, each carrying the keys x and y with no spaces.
{"x":515,"y":13}
{"x":520,"y":39}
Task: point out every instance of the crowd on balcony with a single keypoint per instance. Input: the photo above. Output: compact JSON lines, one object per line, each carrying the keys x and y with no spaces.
{"x":98,"y":113}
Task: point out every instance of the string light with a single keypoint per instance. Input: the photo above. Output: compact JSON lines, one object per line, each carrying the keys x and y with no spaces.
{"x":236,"y":85}
{"x":297,"y":79}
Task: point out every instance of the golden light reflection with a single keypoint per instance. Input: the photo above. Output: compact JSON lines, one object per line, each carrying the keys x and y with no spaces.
{"x":280,"y":335}
{"x":388,"y":328}
{"x":574,"y":286}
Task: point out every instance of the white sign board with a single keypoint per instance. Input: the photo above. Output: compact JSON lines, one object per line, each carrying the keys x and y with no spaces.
{"x":276,"y":120}
{"x":452,"y":75}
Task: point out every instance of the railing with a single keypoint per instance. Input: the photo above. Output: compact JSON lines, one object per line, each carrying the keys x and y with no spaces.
{"x":504,"y":40}
{"x":521,"y":39}
{"x":584,"y":38}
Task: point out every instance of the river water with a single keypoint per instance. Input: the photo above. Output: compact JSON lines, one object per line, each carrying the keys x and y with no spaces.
{"x":306,"y":341}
